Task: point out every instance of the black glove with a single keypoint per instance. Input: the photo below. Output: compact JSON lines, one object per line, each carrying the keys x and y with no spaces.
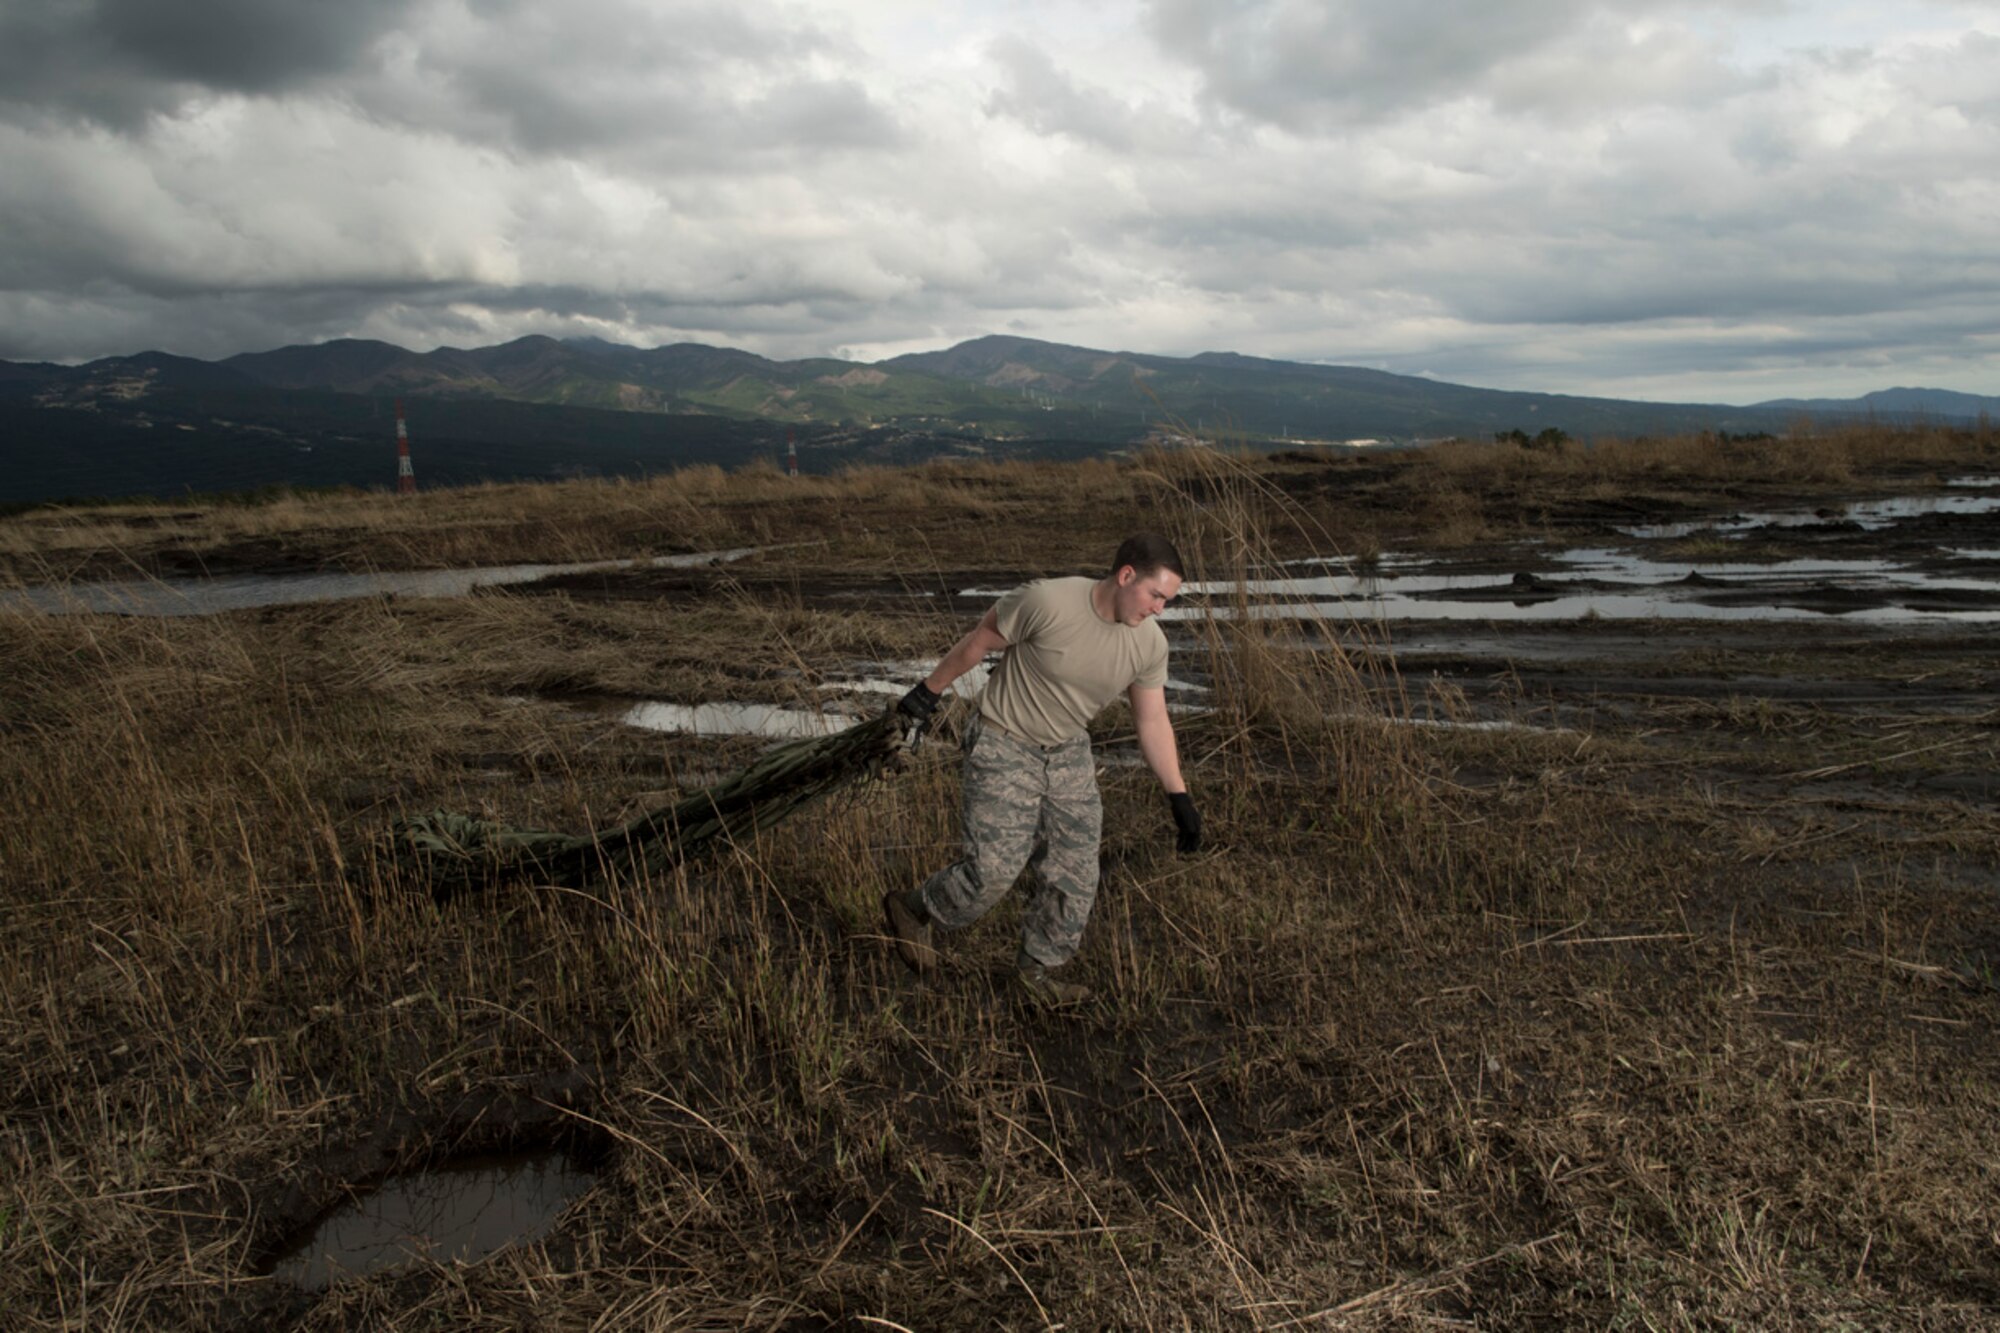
{"x":915,"y":708}
{"x":1187,"y":820}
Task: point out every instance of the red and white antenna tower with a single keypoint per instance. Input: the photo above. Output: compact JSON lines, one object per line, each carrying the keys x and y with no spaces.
{"x":791,"y":452}
{"x":406,"y":480}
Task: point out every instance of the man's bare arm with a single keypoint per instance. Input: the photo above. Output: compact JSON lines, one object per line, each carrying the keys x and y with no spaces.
{"x":1163,"y":756}
{"x":967,"y":653}
{"x":1156,"y":736}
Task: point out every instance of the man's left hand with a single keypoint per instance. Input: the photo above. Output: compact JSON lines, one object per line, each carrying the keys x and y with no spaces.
{"x":914,"y":711}
{"x":1187,"y":822}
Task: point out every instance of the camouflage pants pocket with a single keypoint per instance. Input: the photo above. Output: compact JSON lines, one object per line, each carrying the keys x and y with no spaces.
{"x":1030,"y":809}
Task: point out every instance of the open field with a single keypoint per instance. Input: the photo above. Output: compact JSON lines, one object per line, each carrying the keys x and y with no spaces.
{"x":1663,"y":998}
{"x":911,"y":521}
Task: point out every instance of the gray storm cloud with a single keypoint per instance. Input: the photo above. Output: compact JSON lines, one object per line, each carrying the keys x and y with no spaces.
{"x":1310,"y":63}
{"x":1577,"y":195}
{"x":117,"y":61}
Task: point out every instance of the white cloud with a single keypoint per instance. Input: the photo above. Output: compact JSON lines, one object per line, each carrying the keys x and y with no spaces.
{"x":1721,"y":200}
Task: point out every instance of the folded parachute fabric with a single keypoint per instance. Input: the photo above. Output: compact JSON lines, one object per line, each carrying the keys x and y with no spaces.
{"x":451,"y":854}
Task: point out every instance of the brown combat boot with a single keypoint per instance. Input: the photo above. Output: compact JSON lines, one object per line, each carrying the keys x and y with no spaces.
{"x":1043,"y":987}
{"x":911,"y":933}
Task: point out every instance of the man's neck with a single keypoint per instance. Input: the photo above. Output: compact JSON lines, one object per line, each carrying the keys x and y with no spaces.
{"x":1103,"y":600}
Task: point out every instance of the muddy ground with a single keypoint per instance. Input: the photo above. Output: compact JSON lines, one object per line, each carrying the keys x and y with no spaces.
{"x":1583,"y":972}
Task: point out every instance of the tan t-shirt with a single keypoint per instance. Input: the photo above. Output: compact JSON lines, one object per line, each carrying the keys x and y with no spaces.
{"x":1064,"y":662}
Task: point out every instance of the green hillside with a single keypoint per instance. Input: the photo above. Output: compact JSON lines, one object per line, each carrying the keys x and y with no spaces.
{"x":539,"y":408}
{"x":997,"y":387}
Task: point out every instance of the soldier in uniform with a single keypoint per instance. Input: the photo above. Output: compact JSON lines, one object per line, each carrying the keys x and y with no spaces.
{"x":1068,"y":647}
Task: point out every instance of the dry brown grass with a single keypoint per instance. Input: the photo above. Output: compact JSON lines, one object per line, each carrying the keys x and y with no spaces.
{"x":921,"y":510}
{"x":1026,"y":515}
{"x":1461,"y":494}
{"x":1611,"y":1037}
{"x":1808,"y":457}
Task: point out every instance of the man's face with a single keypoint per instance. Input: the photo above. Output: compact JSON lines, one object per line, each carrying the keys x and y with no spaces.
{"x":1141,"y":597}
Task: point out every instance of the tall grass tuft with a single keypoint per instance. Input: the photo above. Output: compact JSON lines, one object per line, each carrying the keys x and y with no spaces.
{"x":1298,"y":687}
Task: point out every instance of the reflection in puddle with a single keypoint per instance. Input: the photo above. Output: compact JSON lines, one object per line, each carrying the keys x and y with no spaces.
{"x":725,"y":719}
{"x":1485,"y":724}
{"x":460,"y":1212}
{"x":1602,"y":562}
{"x":1868,"y":515}
{"x":1385,"y":560}
{"x":1617,"y":585}
{"x":200,"y":597}
{"x":1881,"y":513}
{"x":777,"y":723}
{"x":1640,"y":605}
{"x":895,"y":678}
{"x":1591,"y":562}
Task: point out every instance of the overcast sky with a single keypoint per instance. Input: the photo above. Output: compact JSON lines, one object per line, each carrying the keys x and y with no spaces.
{"x":1727,"y":201}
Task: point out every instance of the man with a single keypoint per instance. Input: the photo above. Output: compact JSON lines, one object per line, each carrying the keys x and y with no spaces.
{"x":1069,"y":646}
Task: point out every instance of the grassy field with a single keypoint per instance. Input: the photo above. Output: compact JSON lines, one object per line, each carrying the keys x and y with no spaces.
{"x":1674,"y":1015}
{"x":1001,"y":515}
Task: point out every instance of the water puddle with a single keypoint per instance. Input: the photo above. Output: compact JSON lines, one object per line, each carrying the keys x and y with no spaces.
{"x":1383,"y":562}
{"x":1774,"y":574}
{"x":1394,"y":586}
{"x":1476,"y":724}
{"x":895,"y":678}
{"x":1875,"y":515}
{"x":1593,"y":605}
{"x":1618,"y":585}
{"x":728,"y":719}
{"x":459,"y":1212}
{"x":201,"y":597}
{"x":775,"y":722}
{"x":1867,"y":515}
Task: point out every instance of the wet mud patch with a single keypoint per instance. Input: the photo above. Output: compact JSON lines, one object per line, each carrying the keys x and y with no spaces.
{"x":459,"y":1210}
{"x":433,"y":1184}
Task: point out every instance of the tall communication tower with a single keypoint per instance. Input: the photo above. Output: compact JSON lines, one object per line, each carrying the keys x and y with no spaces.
{"x":406,"y":480}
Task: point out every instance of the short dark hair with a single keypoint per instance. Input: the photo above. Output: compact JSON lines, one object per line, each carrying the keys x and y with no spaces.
{"x":1146,"y":552}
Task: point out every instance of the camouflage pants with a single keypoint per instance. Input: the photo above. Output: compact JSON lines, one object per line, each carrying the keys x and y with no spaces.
{"x":1033,"y":808}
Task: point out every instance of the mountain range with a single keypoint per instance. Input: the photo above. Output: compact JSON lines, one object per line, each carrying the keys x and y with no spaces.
{"x":540,"y":407}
